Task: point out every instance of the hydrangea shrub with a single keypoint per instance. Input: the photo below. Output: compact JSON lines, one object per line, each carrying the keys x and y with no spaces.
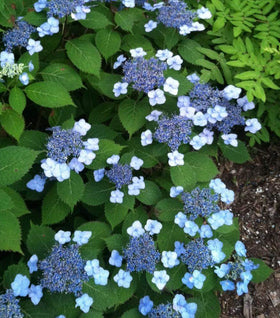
{"x":108,"y":131}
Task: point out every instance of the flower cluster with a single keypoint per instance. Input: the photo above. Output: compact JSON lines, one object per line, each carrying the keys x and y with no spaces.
{"x":237,"y":273}
{"x":66,"y":151}
{"x":147,"y":75}
{"x":64,"y":270}
{"x":9,"y":305}
{"x":121,"y":175}
{"x":178,"y":308}
{"x":175,"y":14}
{"x":61,"y":8}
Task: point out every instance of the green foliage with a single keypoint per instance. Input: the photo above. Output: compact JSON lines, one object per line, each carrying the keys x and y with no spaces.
{"x":262,"y":272}
{"x":237,"y":154}
{"x":12,"y":122}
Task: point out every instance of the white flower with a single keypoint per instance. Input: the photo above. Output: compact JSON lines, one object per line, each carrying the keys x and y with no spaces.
{"x":138,"y":52}
{"x":150,"y":26}
{"x":171,"y":86}
{"x":175,"y":159}
{"x":146,"y":137}
{"x":204,"y":13}
{"x":154,"y":115}
{"x":164,"y":54}
{"x":156,"y":97}
{"x":136,"y":229}
{"x":231,"y":92}
{"x":175,"y":62}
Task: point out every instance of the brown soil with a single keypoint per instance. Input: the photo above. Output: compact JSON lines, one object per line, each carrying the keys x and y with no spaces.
{"x":257,"y":204}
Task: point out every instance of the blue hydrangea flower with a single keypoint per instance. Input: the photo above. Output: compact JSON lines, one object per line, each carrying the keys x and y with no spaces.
{"x":6,"y":58}
{"x":175,"y":158}
{"x":196,"y":279}
{"x":240,"y":249}
{"x":123,"y":278}
{"x":18,"y":36}
{"x":35,"y":293}
{"x":215,"y":246}
{"x":252,"y":125}
{"x":63,"y":270}
{"x":84,"y":302}
{"x":169,"y":259}
{"x":82,"y":237}
{"x":160,"y":279}
{"x":227,"y":285}
{"x":37,"y":183}
{"x":141,"y":254}
{"x":62,"y":237}
{"x":197,"y":256}
{"x":145,"y":305}
{"x":115,"y":259}
{"x":20,"y":285}
{"x":153,"y":227}
{"x":164,"y":310}
{"x":24,"y":78}
{"x":9,"y":305}
{"x":32,"y":263}
{"x":34,"y":46}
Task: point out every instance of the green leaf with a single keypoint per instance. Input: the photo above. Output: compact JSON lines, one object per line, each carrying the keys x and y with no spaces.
{"x":115,"y":242}
{"x":18,"y":206}
{"x":84,"y":55}
{"x":176,"y":274}
{"x":107,"y":148}
{"x":97,"y":193}
{"x":15,"y":162}
{"x":6,"y":201}
{"x":125,"y":19}
{"x":208,"y":305}
{"x":131,"y":41}
{"x":62,"y":74}
{"x":54,"y":209}
{"x":10,"y":233}
{"x":184,"y":176}
{"x":35,"y":18}
{"x":33,"y":139}
{"x":132,"y":114}
{"x":115,"y":213}
{"x":202,"y":165}
{"x":132,"y":313}
{"x":12,"y":122}
{"x":237,"y":154}
{"x":17,"y":99}
{"x":49,"y":94}
{"x":70,"y":191}
{"x":269,"y":83}
{"x":187,"y":50}
{"x":219,"y":24}
{"x":168,"y":235}
{"x":95,"y":20}
{"x":262,"y":272}
{"x":11,"y":272}
{"x":108,"y":42}
{"x":166,"y":209}
{"x":151,"y":194}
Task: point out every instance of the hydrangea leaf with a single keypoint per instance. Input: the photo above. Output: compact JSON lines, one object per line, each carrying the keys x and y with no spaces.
{"x":11,"y":272}
{"x":237,"y":154}
{"x":10,"y":232}
{"x":15,"y":162}
{"x":132,"y":313}
{"x":208,"y":305}
{"x":95,"y":20}
{"x":184,"y":176}
{"x":54,"y":209}
{"x":63,"y":74}
{"x":97,"y":193}
{"x":132,"y":114}
{"x":187,"y":50}
{"x":70,"y":191}
{"x":166,"y":209}
{"x":12,"y":122}
{"x":18,"y":207}
{"x":115,"y":213}
{"x":176,"y":274}
{"x":6,"y":201}
{"x":262,"y":273}
{"x":114,"y":242}
{"x":40,"y":240}
{"x":151,"y":194}
{"x":84,"y":55}
{"x":48,"y":94}
{"x":202,"y":165}
{"x":17,"y":99}
{"x":170,"y":233}
{"x":108,"y":42}
{"x":33,"y":139}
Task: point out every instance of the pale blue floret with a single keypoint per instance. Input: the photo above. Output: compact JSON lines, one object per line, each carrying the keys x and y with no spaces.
{"x":76,"y":165}
{"x":218,"y":113}
{"x":223,"y":217}
{"x":217,"y":185}
{"x":82,"y":127}
{"x":32,"y":263}
{"x":171,"y":86}
{"x":91,"y":267}
{"x":223,"y":270}
{"x":175,"y":158}
{"x":252,"y":125}
{"x":86,"y":156}
{"x":179,"y":248}
{"x":138,"y":52}
{"x":91,"y":144}
{"x":34,"y":46}
{"x":231,"y":92}
{"x":24,"y":78}
{"x":208,"y":135}
{"x":205,"y":231}
{"x":128,"y":3}
{"x":101,"y":276}
{"x":40,"y":5}
{"x":199,"y":119}
{"x":183,"y":101}
{"x":153,"y":227}
{"x":120,"y":88}
{"x":37,"y":183}
{"x":137,"y":185}
{"x":193,"y":78}
{"x":156,"y":97}
{"x":120,"y":60}
{"x":63,"y":237}
{"x":246,"y":276}
{"x":245,"y":104}
{"x":60,"y":171}
{"x":175,"y":191}
{"x":82,"y":237}
{"x":227,"y":285}
{"x":150,"y":26}
{"x":116,"y":196}
{"x":61,"y":316}
{"x":84,"y":302}
{"x":230,"y":139}
{"x":204,"y":13}
{"x":215,"y":246}
{"x":160,"y":278}
{"x":241,"y":288}
{"x":227,"y":196}
{"x":20,"y":285}
{"x":35,"y":294}
{"x":240,"y":249}
{"x":49,"y":28}
{"x":146,"y":138}
{"x":115,"y":259}
{"x":136,"y":229}
{"x":175,"y":62}
{"x":180,"y":219}
{"x":191,"y":228}
{"x":123,"y":278}
{"x":113,"y":160}
{"x":6,"y":58}
{"x":30,"y":66}
{"x":145,"y":305}
{"x":136,"y":163}
{"x":99,"y":174}
{"x":198,"y":142}
{"x":169,"y":259}
{"x":196,"y":279}
{"x":163,"y":55}
{"x":154,"y":115}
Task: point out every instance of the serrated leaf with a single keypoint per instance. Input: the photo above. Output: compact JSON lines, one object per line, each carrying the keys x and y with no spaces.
{"x":115,"y":213}
{"x":237,"y":154}
{"x":48,"y":94}
{"x":17,"y":99}
{"x":184,"y":176}
{"x":168,"y":235}
{"x":131,"y":41}
{"x":95,"y":20}
{"x":114,"y":242}
{"x":151,"y":194}
{"x":262,"y":272}
{"x":208,"y":305}
{"x":97,"y":193}
{"x":15,"y":162}
{"x":62,"y":74}
{"x":108,"y":42}
{"x":132,"y":114}
{"x":126,"y":18}
{"x":132,"y":313}
{"x":33,"y":139}
{"x":203,"y":166}
{"x":10,"y":232}
{"x":187,"y":50}
{"x":18,"y":207}
{"x":70,"y":191}
{"x":6,"y":201}
{"x":54,"y":209}
{"x":12,"y":122}
{"x":166,"y":209}
{"x":176,"y":273}
{"x":84,"y":55}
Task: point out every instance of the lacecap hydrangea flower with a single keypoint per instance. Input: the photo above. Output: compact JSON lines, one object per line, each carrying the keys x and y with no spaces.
{"x":175,"y":14}
{"x":121,"y":175}
{"x":66,"y":151}
{"x":178,"y":308}
{"x":236,"y":274}
{"x":147,"y":75}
